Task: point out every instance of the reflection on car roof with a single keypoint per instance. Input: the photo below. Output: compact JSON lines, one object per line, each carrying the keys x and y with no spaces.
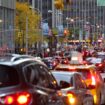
{"x":74,"y":66}
{"x":64,"y":73}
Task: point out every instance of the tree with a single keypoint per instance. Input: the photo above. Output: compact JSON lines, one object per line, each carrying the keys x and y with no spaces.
{"x":59,"y":4}
{"x":34,"y":21}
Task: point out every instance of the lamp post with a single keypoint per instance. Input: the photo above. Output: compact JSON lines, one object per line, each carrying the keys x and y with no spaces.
{"x":26,"y":35}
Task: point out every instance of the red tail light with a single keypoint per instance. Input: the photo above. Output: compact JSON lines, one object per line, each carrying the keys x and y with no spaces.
{"x":99,"y":64}
{"x":65,"y":61}
{"x":54,"y":63}
{"x":93,"y":80}
{"x":9,"y":100}
{"x":22,"y":98}
{"x":71,"y":97}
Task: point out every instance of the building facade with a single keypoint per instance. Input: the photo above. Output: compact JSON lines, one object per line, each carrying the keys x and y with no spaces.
{"x":7,"y":28}
{"x":42,"y":6}
{"x":48,"y":11}
{"x":85,"y":15}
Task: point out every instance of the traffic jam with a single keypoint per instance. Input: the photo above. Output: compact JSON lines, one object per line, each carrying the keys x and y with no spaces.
{"x":81,"y":76}
{"x":64,"y":79}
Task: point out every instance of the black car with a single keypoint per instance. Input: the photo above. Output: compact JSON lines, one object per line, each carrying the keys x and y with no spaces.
{"x":26,"y":81}
{"x":74,"y":89}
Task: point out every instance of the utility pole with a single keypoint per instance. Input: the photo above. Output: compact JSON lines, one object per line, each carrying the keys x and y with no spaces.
{"x":26,"y":35}
{"x":33,"y":5}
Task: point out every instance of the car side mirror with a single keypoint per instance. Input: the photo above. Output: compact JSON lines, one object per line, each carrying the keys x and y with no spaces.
{"x":64,"y":84}
{"x":91,"y":86}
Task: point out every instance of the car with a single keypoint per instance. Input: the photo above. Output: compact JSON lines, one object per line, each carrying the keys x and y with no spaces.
{"x":92,"y":78}
{"x":100,"y":55}
{"x":98,"y":62}
{"x":26,"y":81}
{"x":74,"y":88}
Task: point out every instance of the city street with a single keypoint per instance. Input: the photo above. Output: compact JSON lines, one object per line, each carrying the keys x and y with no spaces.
{"x":52,"y":52}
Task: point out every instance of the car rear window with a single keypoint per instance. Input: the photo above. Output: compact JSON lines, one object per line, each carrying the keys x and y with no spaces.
{"x":62,"y":77}
{"x":8,"y":76}
{"x":85,"y":73}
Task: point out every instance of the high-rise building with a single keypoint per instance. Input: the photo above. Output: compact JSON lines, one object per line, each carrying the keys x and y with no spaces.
{"x":23,"y":0}
{"x":7,"y":28}
{"x":85,"y":15}
{"x":43,"y":6}
{"x":48,"y":11}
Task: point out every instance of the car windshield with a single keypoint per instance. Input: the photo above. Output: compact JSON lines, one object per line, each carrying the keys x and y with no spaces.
{"x":63,"y":77}
{"x":8,"y":76}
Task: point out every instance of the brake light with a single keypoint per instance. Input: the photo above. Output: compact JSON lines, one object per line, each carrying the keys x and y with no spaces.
{"x":99,"y":65}
{"x":93,"y":80}
{"x":54,"y":63}
{"x":71,"y":98}
{"x":9,"y":100}
{"x":22,"y":98}
{"x":65,"y":61}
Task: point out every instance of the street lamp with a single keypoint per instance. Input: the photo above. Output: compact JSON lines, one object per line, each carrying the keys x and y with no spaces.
{"x":1,"y":21}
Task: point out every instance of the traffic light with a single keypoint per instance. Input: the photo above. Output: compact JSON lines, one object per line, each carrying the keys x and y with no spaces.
{"x":59,"y":4}
{"x":66,"y":32}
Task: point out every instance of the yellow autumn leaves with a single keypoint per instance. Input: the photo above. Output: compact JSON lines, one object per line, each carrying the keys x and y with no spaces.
{"x":23,"y":10}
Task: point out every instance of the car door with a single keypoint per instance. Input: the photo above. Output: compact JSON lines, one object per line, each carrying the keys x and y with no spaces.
{"x":44,"y":88}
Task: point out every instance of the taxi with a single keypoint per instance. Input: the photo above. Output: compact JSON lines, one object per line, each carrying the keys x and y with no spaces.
{"x":92,"y":78}
{"x":74,"y":89}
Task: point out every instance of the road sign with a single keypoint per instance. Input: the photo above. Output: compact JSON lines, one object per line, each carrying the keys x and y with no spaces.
{"x":45,"y":28}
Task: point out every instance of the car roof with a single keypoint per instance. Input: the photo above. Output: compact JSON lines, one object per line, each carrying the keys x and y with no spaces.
{"x":66,"y":72}
{"x":75,"y":66}
{"x":15,"y":59}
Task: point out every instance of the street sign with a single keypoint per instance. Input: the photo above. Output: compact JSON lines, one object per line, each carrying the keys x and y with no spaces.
{"x":45,"y":28}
